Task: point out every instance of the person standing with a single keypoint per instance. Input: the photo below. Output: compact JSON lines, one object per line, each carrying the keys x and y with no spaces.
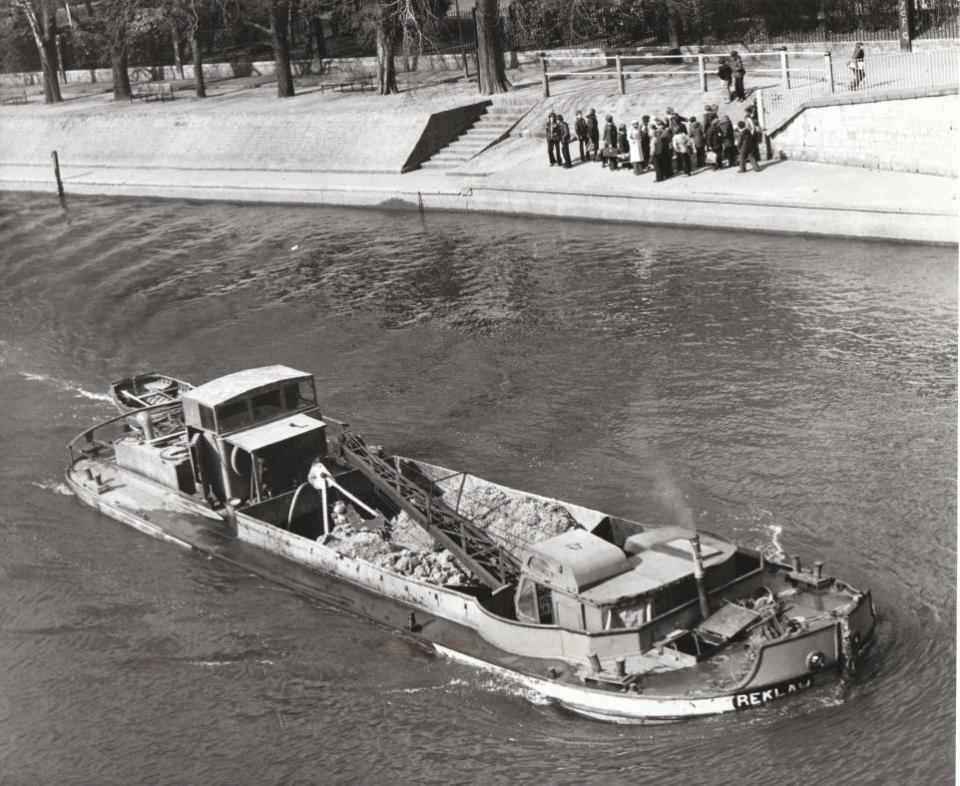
{"x":725,"y":72}
{"x":609,"y":140}
{"x":623,"y":146}
{"x":553,"y":149}
{"x":715,"y":142}
{"x":748,"y":148}
{"x":709,"y":115}
{"x":739,"y":72}
{"x":697,"y":139}
{"x":593,"y":132}
{"x":857,"y":65}
{"x":680,"y":143}
{"x":583,"y":135}
{"x":657,"y":142}
{"x":636,"y":149}
{"x":727,"y":141}
{"x":666,"y":134}
{"x":563,"y":141}
{"x":645,"y":140}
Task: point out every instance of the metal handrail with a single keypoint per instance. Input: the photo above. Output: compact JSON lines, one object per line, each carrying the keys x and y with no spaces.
{"x":127,"y":417}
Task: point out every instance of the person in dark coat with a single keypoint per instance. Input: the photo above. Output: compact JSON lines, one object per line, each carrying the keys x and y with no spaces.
{"x":553,"y":147}
{"x":709,"y":115}
{"x":856,"y":65}
{"x":563,"y":141}
{"x":583,"y":136}
{"x":748,"y":148}
{"x":736,"y":65}
{"x":645,"y":132}
{"x":593,"y":132}
{"x":609,"y":142}
{"x":725,"y":72}
{"x":666,"y":155}
{"x":657,"y":151}
{"x":715,"y":142}
{"x":623,"y":145}
{"x":699,"y":140}
{"x":728,"y":141}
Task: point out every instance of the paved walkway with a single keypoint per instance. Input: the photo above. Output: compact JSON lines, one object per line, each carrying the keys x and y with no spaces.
{"x":514,"y":178}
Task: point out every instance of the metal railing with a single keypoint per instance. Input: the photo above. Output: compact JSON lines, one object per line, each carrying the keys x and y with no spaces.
{"x":938,"y":68}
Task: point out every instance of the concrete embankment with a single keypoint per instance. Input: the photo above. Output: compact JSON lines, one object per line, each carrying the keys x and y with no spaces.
{"x":323,"y":150}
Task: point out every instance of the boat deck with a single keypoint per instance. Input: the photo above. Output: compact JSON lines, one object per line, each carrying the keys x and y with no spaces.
{"x":170,"y":515}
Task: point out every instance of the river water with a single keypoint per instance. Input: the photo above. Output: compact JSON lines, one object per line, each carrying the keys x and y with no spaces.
{"x":792,"y":394}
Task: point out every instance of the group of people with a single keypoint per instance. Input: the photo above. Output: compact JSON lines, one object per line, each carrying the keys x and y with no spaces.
{"x":667,"y":144}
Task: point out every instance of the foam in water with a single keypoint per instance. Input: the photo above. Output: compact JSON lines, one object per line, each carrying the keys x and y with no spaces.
{"x":56,"y":486}
{"x":66,"y":386}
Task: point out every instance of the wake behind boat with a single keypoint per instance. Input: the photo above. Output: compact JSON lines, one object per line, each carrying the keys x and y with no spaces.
{"x":610,"y":618}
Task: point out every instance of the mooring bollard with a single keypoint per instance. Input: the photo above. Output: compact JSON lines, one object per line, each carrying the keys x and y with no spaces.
{"x":621,"y":667}
{"x":594,"y":663}
{"x":56,"y":173}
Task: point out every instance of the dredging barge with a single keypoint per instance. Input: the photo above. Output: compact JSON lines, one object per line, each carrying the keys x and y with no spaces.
{"x":609,"y":618}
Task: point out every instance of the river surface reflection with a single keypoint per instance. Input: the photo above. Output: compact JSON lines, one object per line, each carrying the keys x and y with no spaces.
{"x":793,"y":394}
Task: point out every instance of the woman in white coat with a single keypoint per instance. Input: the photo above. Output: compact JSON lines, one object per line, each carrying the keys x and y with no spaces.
{"x":636,"y":151}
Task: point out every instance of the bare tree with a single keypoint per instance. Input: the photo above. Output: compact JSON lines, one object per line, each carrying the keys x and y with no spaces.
{"x":42,"y":17}
{"x":276,"y":14}
{"x":185,"y":16}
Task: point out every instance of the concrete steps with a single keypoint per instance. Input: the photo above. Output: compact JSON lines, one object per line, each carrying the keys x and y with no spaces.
{"x":492,"y":127}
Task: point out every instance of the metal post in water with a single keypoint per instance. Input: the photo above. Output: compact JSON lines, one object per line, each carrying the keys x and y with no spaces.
{"x":698,"y":576}
{"x":56,"y":173}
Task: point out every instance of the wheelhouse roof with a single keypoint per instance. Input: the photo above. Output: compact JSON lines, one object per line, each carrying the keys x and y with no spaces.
{"x":259,"y":437}
{"x":224,"y":389}
{"x":574,"y":560}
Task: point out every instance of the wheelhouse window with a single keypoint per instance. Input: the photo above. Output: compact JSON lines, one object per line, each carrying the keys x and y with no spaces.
{"x":527,"y":601}
{"x":231,"y":416}
{"x":298,"y":395}
{"x":206,"y":418}
{"x":266,"y":405}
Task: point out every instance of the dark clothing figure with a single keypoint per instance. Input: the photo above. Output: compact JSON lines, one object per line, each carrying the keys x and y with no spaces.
{"x":563,"y":142}
{"x":748,"y":148}
{"x":857,"y":66}
{"x":738,"y":73}
{"x":645,"y":131}
{"x":553,"y":140}
{"x":609,"y":140}
{"x":657,"y":155}
{"x":709,"y":115}
{"x":725,"y":72}
{"x":593,"y":133}
{"x":715,"y":143}
{"x":695,"y":132}
{"x":728,"y":141}
{"x":583,"y":136}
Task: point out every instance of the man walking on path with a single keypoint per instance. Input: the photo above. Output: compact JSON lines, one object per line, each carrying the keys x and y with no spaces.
{"x":748,"y":147}
{"x":738,"y":73}
{"x":583,"y":135}
{"x":857,"y":66}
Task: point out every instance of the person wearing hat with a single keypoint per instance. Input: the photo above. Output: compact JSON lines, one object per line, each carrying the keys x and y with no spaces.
{"x":553,"y":145}
{"x":623,"y":145}
{"x":739,"y":72}
{"x":593,"y":132}
{"x":856,"y":65}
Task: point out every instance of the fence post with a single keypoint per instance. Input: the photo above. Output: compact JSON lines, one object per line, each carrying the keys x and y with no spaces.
{"x":546,"y":79}
{"x":623,"y":84}
{"x":828,"y":60}
{"x":762,"y":122}
{"x":703,"y":73}
{"x":784,"y":68}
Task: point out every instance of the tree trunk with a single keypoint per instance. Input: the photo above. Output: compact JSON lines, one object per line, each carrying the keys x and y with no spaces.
{"x":386,"y":69}
{"x":177,"y":59}
{"x":279,"y":17}
{"x":121,"y":75}
{"x":318,"y":43}
{"x":673,"y":24}
{"x":51,"y":81}
{"x":493,"y":78}
{"x":201,"y":87}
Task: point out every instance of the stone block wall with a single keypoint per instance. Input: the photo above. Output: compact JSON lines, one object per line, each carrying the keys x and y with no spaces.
{"x":913,"y":134}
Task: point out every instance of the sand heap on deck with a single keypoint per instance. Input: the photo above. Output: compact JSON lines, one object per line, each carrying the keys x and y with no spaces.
{"x":406,"y":549}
